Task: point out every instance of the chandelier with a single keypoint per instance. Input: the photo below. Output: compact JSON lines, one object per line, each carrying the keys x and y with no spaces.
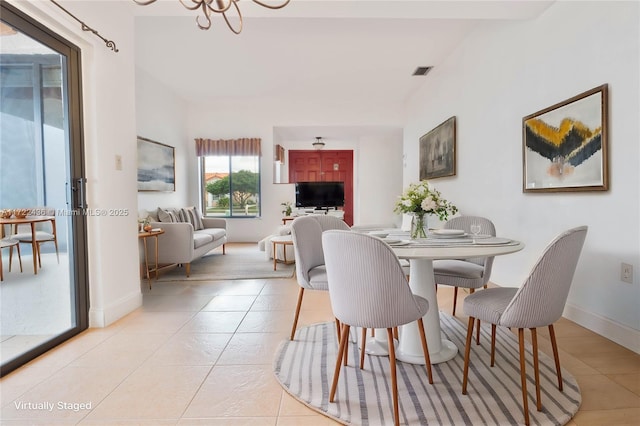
{"x":318,"y":144}
{"x":216,"y":6}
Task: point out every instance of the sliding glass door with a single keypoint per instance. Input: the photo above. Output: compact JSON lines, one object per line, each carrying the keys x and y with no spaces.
{"x":44,"y":290}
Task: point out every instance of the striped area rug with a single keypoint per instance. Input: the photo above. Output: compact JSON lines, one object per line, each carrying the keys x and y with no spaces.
{"x":304,"y":367}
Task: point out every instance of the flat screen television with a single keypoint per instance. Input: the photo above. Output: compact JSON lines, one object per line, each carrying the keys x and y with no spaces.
{"x":319,"y":194}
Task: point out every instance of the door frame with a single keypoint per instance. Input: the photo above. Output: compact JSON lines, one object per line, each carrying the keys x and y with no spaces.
{"x":78,"y":271}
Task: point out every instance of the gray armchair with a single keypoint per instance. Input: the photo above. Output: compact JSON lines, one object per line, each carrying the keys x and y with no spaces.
{"x":539,"y":302}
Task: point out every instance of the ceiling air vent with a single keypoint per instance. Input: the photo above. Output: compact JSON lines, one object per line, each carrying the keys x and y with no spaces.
{"x":422,"y":70}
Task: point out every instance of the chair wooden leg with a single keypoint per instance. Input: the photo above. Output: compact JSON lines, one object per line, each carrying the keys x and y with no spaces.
{"x":297,"y":314}
{"x":19,"y":256}
{"x":477,"y":331}
{"x":224,"y":249}
{"x":455,"y":300}
{"x":467,"y":350}
{"x":395,"y":333}
{"x":556,"y":358}
{"x":55,"y":242}
{"x":342,"y":349}
{"x":187,"y":269}
{"x":364,"y":344}
{"x":493,"y":344}
{"x":338,"y":329}
{"x":536,"y":369}
{"x":39,"y":259}
{"x":394,"y":379}
{"x":523,"y":377}
{"x":425,"y":349}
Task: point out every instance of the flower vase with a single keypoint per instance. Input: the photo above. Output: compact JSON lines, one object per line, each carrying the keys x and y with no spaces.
{"x":419,"y":226}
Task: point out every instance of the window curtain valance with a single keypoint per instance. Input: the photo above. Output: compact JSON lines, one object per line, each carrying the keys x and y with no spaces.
{"x":244,"y":146}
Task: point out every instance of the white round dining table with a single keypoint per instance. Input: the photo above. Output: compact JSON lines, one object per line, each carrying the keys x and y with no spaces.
{"x":422,"y":283}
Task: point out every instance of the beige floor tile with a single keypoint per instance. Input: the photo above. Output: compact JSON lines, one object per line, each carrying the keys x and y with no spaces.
{"x":313,"y":420}
{"x":230,"y":421}
{"x":280,"y":286}
{"x":277,"y":302}
{"x":593,"y":345}
{"x":163,"y":287}
{"x":236,"y":391}
{"x":623,"y":417}
{"x":156,"y":322}
{"x":601,"y":393}
{"x":129,"y":349}
{"x":152,"y":392}
{"x":267,"y":322}
{"x":175,"y":302}
{"x":241,"y":287}
{"x":67,"y":394}
{"x":127,"y":422}
{"x":291,"y":407}
{"x":251,"y":348}
{"x":191,"y":349}
{"x":213,"y":322}
{"x":230,"y":303}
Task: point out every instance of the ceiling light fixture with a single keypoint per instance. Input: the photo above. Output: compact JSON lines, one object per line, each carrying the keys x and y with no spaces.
{"x":216,"y":6}
{"x":318,"y":144}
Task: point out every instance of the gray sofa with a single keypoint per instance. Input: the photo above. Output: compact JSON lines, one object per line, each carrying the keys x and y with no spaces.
{"x":182,"y":241}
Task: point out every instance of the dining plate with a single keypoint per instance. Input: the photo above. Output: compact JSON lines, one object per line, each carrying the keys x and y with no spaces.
{"x":448,"y":232}
{"x":493,"y":241}
{"x":437,"y":235}
{"x":398,"y":243}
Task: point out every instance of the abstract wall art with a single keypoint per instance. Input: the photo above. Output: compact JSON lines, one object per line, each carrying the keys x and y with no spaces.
{"x":565,"y":145}
{"x":156,"y":166}
{"x":438,"y":151}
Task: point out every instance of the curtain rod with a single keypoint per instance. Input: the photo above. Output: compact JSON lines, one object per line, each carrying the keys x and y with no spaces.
{"x":110,"y":44}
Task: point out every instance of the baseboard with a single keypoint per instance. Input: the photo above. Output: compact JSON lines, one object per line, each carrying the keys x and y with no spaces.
{"x":614,"y":331}
{"x":108,"y":315}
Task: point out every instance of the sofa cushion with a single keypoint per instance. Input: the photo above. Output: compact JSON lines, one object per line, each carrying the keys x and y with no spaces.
{"x":192,"y":217}
{"x":165,"y":215}
{"x":201,"y":239}
{"x":215,"y":233}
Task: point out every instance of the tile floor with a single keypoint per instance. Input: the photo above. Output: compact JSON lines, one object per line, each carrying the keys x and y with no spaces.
{"x":202,"y":354}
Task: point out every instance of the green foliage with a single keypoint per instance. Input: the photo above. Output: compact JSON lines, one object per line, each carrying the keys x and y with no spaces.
{"x":245,"y":185}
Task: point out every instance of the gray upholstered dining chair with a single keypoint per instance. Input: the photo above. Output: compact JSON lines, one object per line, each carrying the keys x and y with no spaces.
{"x":306,"y":232}
{"x":466,"y":273}
{"x":539,"y":302}
{"x":368,"y":289}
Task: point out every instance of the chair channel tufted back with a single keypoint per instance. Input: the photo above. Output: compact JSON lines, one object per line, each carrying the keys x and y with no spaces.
{"x":541,"y":299}
{"x":306,"y":233}
{"x":367,"y":285}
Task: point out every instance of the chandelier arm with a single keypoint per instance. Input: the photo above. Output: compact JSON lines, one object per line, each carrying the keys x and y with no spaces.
{"x":224,"y":15}
{"x":206,"y":14}
{"x":197,"y":4}
{"x":271,"y":7}
{"x":222,"y":9}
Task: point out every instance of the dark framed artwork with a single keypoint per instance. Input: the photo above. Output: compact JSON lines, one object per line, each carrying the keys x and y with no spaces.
{"x":565,"y":145}
{"x":156,"y":166}
{"x":438,"y":151}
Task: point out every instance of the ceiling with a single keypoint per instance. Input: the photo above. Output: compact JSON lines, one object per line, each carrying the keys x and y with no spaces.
{"x":337,"y":51}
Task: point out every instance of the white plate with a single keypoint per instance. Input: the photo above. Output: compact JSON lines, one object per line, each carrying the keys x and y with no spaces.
{"x":399,"y":243}
{"x":378,"y":234}
{"x":445,"y":236}
{"x":390,"y":240}
{"x":448,"y":232}
{"x":493,"y":241}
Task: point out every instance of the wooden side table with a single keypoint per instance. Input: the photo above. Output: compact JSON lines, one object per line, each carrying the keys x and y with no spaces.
{"x":285,"y":241}
{"x":287,"y":219}
{"x":144,"y":236}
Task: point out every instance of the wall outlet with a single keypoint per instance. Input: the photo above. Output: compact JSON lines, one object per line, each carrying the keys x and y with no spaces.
{"x":626,"y":273}
{"x":118,"y":162}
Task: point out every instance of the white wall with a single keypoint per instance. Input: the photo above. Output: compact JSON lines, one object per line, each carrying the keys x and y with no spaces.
{"x":500,"y":74}
{"x":162,"y":116}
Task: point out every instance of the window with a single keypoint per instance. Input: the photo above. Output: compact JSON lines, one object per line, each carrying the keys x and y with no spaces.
{"x":231,"y":185}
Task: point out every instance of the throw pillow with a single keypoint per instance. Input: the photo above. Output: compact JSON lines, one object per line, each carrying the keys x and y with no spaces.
{"x":165,"y":216}
{"x":198,"y":224}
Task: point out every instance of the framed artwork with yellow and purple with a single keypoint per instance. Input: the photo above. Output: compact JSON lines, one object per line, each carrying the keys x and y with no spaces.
{"x":565,"y":145}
